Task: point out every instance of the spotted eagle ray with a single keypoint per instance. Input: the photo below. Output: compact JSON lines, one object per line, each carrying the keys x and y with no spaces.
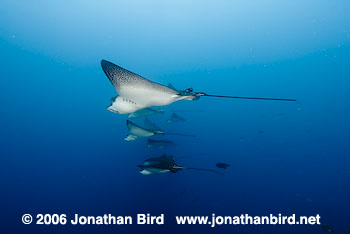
{"x":136,"y":93}
{"x":165,"y":164}
{"x":136,"y":131}
{"x":175,"y":118}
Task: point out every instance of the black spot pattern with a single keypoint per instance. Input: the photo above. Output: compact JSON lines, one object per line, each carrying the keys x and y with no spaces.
{"x":121,"y":77}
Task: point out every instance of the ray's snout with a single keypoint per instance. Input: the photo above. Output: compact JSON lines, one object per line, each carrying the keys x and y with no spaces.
{"x":112,"y":109}
{"x":121,"y":105}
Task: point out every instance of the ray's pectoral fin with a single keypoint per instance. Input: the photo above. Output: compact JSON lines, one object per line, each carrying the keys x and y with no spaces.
{"x":120,"y":77}
{"x":150,"y":125}
{"x":171,"y":86}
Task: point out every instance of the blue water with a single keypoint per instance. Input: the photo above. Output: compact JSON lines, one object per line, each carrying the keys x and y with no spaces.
{"x":63,"y":152}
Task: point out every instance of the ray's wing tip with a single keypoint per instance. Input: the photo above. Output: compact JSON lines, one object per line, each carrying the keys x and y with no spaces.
{"x":104,"y":62}
{"x":108,"y":68}
{"x":105,"y":66}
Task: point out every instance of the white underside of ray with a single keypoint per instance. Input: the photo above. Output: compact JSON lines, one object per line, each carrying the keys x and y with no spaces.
{"x":149,"y":96}
{"x":131,"y":138}
{"x":150,"y":171}
{"x":139,"y":98}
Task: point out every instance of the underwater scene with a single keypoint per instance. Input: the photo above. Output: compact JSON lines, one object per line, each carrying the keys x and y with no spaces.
{"x":160,"y":109}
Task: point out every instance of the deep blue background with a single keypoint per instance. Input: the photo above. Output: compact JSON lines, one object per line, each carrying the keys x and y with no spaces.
{"x":63,"y":152}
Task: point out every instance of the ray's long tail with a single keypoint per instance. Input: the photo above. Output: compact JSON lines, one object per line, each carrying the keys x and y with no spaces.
{"x":204,"y":169}
{"x":254,"y":98}
{"x":179,"y":134}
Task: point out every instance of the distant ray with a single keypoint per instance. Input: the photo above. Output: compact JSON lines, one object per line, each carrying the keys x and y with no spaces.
{"x":166,"y":164}
{"x":174,"y":118}
{"x":136,"y":131}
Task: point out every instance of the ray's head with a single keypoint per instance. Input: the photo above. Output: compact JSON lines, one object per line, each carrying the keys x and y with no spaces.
{"x":111,"y":107}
